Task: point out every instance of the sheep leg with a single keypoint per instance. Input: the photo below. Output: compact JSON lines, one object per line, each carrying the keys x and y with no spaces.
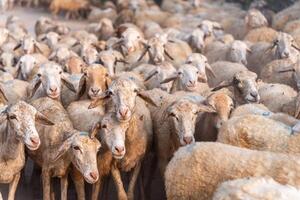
{"x":64,"y":187}
{"x":79,"y":183}
{"x":96,"y":188}
{"x":13,"y":186}
{"x":46,"y":185}
{"x":118,"y":181}
{"x":132,"y":183}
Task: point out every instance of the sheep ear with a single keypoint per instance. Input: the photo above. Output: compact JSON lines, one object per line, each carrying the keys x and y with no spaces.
{"x":249,"y":50}
{"x":42,"y":119}
{"x":36,"y":46}
{"x":52,"y":55}
{"x":3,"y":116}
{"x":168,"y":55}
{"x":33,"y":86}
{"x":82,"y":86}
{"x":17,"y":46}
{"x":63,"y":148}
{"x":96,"y":128}
{"x":210,"y":70}
{"x":18,"y":73}
{"x":146,"y":97}
{"x":205,"y":108}
{"x":67,"y":83}
{"x":270,"y":48}
{"x":144,"y":52}
{"x":3,"y":97}
{"x":108,"y":81}
{"x":152,"y":73}
{"x":172,"y":78}
{"x":296,"y":128}
{"x":296,"y":47}
{"x":223,"y":84}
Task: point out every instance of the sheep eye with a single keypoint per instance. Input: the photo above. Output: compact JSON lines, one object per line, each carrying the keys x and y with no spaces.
{"x":76,"y":148}
{"x":276,"y":42}
{"x":174,"y":116}
{"x":39,"y":75}
{"x":189,"y":62}
{"x":104,"y":126}
{"x":106,"y":75}
{"x":12,"y":117}
{"x":60,"y":72}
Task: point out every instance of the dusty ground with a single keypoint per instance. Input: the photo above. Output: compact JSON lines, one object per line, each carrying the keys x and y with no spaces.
{"x":30,"y":187}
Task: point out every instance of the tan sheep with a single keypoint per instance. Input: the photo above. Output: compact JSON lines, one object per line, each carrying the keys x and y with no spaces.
{"x":71,"y":6}
{"x":259,"y":188}
{"x":251,"y":108}
{"x":193,"y":173}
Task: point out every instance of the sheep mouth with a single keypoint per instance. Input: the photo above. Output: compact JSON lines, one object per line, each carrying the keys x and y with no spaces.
{"x":53,"y":95}
{"x":118,"y":156}
{"x":90,"y":180}
{"x":33,"y":147}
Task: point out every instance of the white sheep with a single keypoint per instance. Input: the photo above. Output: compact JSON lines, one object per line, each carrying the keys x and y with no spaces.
{"x":193,"y":173}
{"x":255,"y":189}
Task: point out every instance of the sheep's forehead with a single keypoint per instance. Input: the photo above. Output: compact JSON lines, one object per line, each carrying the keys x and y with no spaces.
{"x":28,"y":58}
{"x":85,"y":141}
{"x":245,"y":75}
{"x":184,"y":106}
{"x":23,"y":109}
{"x":97,"y":70}
{"x":239,"y":44}
{"x":123,"y":85}
{"x":189,"y":69}
{"x":50,"y":68}
{"x":220,"y":99}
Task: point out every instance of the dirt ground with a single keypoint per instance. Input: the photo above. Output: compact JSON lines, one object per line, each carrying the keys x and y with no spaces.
{"x":30,"y":187}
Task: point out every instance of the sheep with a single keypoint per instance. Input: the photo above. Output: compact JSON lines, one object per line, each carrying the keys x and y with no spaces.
{"x":200,"y":61}
{"x":15,"y":90}
{"x":174,"y":120}
{"x":16,"y":27}
{"x":103,"y":29}
{"x":123,"y":93}
{"x":28,"y":65}
{"x":278,"y":98}
{"x":253,"y":132}
{"x":263,"y":53}
{"x":244,"y":82}
{"x":235,"y":52}
{"x":186,"y":79}
{"x":97,"y":13}
{"x":74,"y":65}
{"x":61,"y":55}
{"x":203,"y":173}
{"x":70,"y":6}
{"x":251,"y":108}
{"x":62,"y":146}
{"x":8,"y":60}
{"x":127,"y":142}
{"x":17,"y":130}
{"x":113,"y":61}
{"x":47,"y":82}
{"x":255,"y":189}
{"x":284,"y":16}
{"x":208,"y":124}
{"x":155,"y":74}
{"x":44,"y":25}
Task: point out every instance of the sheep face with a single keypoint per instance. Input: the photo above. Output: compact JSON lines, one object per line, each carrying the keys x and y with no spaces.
{"x":131,"y":39}
{"x":50,"y":75}
{"x":51,"y":39}
{"x":238,"y":52}
{"x":74,"y":65}
{"x":21,"y":117}
{"x":201,"y":63}
{"x":89,"y":54}
{"x":25,"y":65}
{"x":83,"y":151}
{"x":188,"y":77}
{"x":156,"y":50}
{"x":123,"y":94}
{"x":182,"y":115}
{"x":109,"y":59}
{"x":245,"y":84}
{"x":97,"y":80}
{"x":197,"y":39}
{"x":223,"y":105}
{"x":7,"y":59}
{"x":113,"y":133}
{"x":60,"y":55}
{"x":285,"y":45}
{"x":28,"y":44}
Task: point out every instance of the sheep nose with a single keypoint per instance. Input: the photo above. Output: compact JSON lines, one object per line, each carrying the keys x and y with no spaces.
{"x":188,"y":140}
{"x":192,"y":83}
{"x":123,"y":112}
{"x":35,"y":140}
{"x":286,"y":54}
{"x":94,"y":175}
{"x":254,"y":94}
{"x":95,"y":90}
{"x":53,"y":89}
{"x":119,"y":149}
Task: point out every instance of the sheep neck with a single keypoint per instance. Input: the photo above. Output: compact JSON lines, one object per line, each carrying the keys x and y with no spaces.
{"x":11,"y":147}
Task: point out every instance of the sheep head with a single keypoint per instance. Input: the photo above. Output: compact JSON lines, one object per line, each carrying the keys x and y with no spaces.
{"x":238,"y":52}
{"x":50,"y":76}
{"x":95,"y":81}
{"x":182,"y":115}
{"x":25,"y":65}
{"x":83,"y":151}
{"x":245,"y":86}
{"x":21,"y":117}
